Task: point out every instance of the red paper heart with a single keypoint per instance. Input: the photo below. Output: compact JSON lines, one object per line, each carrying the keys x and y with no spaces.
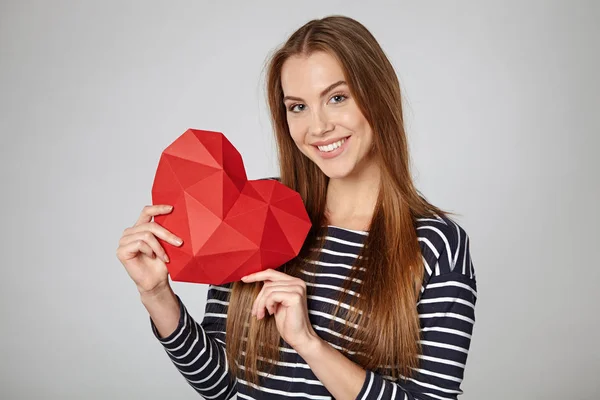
{"x":230,"y":226}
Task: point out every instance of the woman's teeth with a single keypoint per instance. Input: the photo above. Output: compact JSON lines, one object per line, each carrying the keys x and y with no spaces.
{"x":332,"y":146}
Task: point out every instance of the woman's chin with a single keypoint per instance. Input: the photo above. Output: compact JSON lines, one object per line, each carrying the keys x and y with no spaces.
{"x":337,"y":171}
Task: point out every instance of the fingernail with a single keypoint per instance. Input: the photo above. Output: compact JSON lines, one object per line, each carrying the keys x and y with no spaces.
{"x":166,"y":258}
{"x":178,"y":241}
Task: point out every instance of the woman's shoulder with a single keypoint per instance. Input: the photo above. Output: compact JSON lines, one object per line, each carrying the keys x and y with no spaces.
{"x":444,"y":245}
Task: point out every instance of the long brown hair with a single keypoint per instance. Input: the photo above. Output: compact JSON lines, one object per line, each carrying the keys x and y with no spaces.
{"x":391,"y":253}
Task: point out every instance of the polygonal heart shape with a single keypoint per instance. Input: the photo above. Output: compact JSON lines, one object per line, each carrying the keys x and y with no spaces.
{"x":231,"y":227}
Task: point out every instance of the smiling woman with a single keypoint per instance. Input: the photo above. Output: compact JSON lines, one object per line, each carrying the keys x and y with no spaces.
{"x":326,"y":125}
{"x":380,"y":302}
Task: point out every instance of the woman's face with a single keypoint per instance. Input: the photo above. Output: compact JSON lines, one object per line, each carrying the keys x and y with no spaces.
{"x":324,"y":120}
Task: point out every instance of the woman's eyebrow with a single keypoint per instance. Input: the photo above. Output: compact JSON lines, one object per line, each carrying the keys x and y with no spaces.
{"x":323,"y":93}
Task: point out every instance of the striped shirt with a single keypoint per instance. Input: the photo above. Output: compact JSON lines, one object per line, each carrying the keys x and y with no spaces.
{"x":446,"y":308}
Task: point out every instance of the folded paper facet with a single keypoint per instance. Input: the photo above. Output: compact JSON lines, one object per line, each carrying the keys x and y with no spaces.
{"x":230,"y":226}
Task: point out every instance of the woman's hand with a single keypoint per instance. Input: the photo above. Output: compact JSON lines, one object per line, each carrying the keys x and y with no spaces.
{"x":142,"y":255}
{"x":285,"y":297}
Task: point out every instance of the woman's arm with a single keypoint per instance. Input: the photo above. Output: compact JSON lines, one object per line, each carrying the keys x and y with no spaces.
{"x":163,"y":308}
{"x":447,"y":313}
{"x":196,"y":350}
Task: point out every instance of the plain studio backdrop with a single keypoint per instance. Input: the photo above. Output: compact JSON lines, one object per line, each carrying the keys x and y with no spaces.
{"x":501,"y":105}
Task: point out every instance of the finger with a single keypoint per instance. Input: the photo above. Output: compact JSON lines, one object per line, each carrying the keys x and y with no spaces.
{"x":150,"y":211}
{"x":288,"y":299}
{"x":157,"y":230}
{"x":261,"y":303}
{"x":271,"y":302}
{"x":269,"y":284}
{"x":266,"y":285}
{"x":268,"y":274}
{"x":130,"y":250}
{"x":256,"y":301}
{"x":150,"y":240}
{"x":296,"y":283}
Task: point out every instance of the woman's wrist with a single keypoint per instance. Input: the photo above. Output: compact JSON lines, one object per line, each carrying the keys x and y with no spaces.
{"x":160,"y":292}
{"x":163,"y":308}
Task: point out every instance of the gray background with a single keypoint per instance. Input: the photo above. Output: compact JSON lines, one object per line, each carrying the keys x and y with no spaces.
{"x":501,"y":106}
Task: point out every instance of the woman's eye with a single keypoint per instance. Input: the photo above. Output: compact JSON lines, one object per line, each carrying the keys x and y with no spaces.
{"x":339,"y":98}
{"x":294,"y":107}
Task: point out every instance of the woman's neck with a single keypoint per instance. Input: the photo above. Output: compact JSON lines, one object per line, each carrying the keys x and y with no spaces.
{"x":351,"y":200}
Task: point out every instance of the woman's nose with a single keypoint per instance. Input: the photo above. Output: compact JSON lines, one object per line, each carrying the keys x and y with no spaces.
{"x":319,"y":123}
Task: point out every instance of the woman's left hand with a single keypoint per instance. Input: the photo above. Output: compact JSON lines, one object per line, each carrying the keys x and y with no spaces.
{"x":285,"y":297}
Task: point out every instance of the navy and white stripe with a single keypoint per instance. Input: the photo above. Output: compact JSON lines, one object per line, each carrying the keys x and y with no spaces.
{"x":446,"y":310}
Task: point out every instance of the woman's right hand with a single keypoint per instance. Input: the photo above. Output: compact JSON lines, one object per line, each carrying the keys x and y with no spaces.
{"x":141,"y":253}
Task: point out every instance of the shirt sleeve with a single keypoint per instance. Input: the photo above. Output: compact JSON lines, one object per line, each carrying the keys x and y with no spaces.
{"x":447,"y":316}
{"x":198,"y":350}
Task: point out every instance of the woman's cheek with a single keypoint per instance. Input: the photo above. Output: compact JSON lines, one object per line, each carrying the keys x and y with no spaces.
{"x":347,"y":118}
{"x":296,"y":131}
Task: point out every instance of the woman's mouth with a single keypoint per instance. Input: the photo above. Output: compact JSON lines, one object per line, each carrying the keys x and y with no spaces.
{"x":333,"y":149}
